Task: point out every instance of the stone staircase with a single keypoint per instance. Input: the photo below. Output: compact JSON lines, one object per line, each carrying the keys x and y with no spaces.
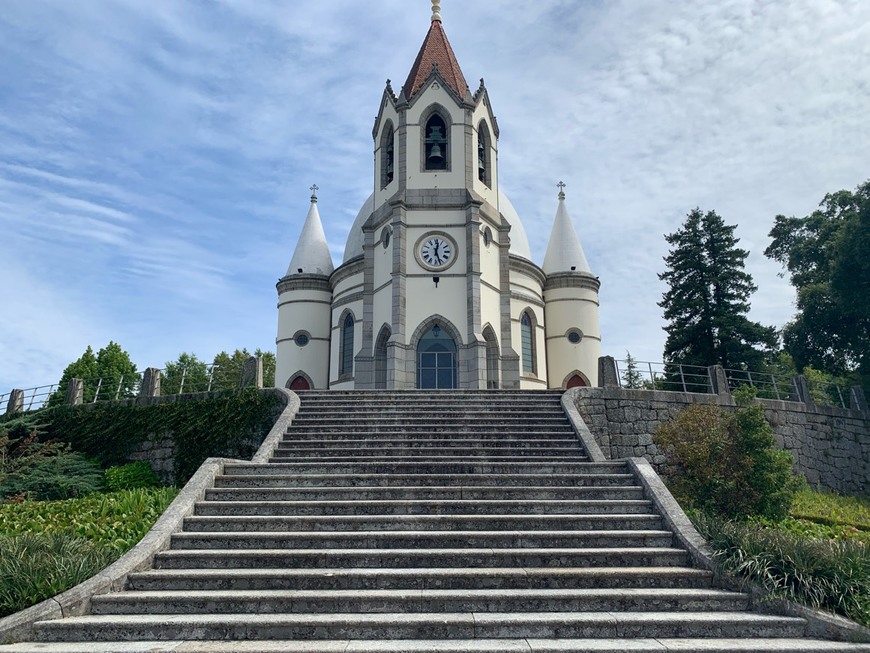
{"x":419,"y":521}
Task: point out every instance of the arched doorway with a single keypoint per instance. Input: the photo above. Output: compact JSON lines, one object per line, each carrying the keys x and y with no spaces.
{"x":381,"y":358}
{"x":491,"y":358}
{"x":576,"y":381}
{"x":300,"y":383}
{"x":436,"y":360}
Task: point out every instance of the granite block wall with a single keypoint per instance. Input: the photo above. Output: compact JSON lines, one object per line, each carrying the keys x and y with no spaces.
{"x":831,"y":446}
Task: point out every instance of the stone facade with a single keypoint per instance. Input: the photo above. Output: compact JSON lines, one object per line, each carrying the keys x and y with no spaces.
{"x":831,"y":446}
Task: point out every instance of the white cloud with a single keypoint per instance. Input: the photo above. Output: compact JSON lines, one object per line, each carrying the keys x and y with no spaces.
{"x":155,"y":157}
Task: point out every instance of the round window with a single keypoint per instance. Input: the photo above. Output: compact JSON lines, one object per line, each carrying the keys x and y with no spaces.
{"x":386,"y":233}
{"x":487,"y":237}
{"x":574,"y":336}
{"x":301,"y":339}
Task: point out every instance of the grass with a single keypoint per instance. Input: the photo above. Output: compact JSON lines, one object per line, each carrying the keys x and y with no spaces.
{"x":818,"y":556}
{"x":46,"y":547}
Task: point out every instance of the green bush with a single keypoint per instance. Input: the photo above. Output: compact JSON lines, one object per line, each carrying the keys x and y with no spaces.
{"x":727,"y":462}
{"x":117,"y":520}
{"x":34,"y":567}
{"x":828,"y":574}
{"x":131,"y":476}
{"x":64,"y":475}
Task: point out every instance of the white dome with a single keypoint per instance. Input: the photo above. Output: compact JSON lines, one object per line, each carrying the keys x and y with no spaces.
{"x":519,"y":240}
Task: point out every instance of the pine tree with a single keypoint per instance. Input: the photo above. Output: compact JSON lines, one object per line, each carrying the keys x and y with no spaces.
{"x":708,"y":299}
{"x":631,"y":377}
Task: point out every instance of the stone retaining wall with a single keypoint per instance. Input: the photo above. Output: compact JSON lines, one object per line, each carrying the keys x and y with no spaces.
{"x":831,"y":446}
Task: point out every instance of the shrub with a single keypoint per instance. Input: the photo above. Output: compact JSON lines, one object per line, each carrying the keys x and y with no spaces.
{"x":64,"y":475}
{"x":34,"y":567}
{"x":727,"y":462}
{"x":131,"y":476}
{"x":117,"y":520}
{"x":828,"y":574}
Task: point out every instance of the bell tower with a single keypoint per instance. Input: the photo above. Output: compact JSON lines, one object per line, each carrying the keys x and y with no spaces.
{"x":435,"y":250}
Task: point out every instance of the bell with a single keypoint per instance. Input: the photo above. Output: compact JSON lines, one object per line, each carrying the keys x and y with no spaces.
{"x":435,"y":154}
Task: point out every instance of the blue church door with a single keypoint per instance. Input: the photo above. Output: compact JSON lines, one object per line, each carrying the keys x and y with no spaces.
{"x":436,"y":360}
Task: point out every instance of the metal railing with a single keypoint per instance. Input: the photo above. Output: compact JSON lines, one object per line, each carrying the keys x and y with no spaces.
{"x":112,"y":388}
{"x":651,"y":375}
{"x":677,"y":377}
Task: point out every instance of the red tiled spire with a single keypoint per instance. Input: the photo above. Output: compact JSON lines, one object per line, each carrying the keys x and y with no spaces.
{"x":436,"y":50}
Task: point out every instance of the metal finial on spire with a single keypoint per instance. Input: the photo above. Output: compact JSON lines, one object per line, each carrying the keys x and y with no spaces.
{"x":561,"y":186}
{"x":436,"y":10}
{"x":314,"y":188}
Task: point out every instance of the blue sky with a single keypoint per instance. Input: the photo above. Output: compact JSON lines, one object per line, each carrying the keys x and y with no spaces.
{"x":155,"y":155}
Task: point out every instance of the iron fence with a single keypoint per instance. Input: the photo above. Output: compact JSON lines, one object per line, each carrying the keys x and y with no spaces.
{"x":677,"y":377}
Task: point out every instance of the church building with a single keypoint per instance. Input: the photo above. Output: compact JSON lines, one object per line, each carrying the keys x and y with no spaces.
{"x":437,"y":288}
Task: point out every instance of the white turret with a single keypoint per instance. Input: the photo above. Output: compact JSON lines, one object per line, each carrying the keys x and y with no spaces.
{"x":571,"y":300}
{"x":304,"y":300}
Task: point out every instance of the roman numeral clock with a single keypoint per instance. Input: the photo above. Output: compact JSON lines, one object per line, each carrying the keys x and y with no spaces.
{"x":435,"y":251}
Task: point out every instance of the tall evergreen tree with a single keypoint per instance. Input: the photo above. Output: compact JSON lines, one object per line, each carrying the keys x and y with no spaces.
{"x":708,"y":299}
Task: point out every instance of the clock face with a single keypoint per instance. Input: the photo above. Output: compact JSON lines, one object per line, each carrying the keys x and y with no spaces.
{"x":437,"y":251}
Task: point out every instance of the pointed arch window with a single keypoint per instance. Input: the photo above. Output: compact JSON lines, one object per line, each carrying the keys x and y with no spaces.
{"x":346,"y":355}
{"x":527,"y":338}
{"x":436,"y":144}
{"x":484,"y":164}
{"x":388,"y":160}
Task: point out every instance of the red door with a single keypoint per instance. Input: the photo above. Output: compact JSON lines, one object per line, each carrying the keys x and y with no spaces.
{"x":299,"y":383}
{"x":576,"y":381}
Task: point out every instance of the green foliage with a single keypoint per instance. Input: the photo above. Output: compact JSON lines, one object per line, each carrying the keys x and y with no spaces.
{"x":631,"y":376}
{"x":727,"y":463}
{"x":48,"y":547}
{"x":187,"y":374}
{"x":828,"y":574}
{"x":829,"y":508}
{"x":36,"y":567}
{"x":228,"y":368}
{"x":217,"y":426}
{"x":825,"y":254}
{"x":708,"y":299}
{"x":64,"y":475}
{"x":117,"y":520}
{"x":111,"y":364}
{"x":131,"y":476}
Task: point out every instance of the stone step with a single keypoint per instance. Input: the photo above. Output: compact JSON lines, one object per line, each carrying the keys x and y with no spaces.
{"x":422,"y":578}
{"x":501,"y":645}
{"x":416,"y":601}
{"x":530,"y":467}
{"x":429,"y":420}
{"x":424,"y":507}
{"x":496,"y":478}
{"x":403,"y":539}
{"x":363,"y":492}
{"x":443,"y":429}
{"x":517,"y":522}
{"x":443,"y":444}
{"x":470,"y":458}
{"x":646,"y":556}
{"x":483,"y":435}
{"x":447,"y":453}
{"x":162,"y":627}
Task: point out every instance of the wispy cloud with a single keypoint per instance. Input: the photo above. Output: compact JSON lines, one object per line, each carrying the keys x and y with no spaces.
{"x":155,"y":157}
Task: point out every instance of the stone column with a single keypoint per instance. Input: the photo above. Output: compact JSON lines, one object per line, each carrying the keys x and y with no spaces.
{"x":16,"y":402}
{"x":75,"y":392}
{"x":252,"y":373}
{"x":802,"y":388}
{"x":150,"y":383}
{"x":857,"y":401}
{"x":718,"y":381}
{"x":607,"y":376}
